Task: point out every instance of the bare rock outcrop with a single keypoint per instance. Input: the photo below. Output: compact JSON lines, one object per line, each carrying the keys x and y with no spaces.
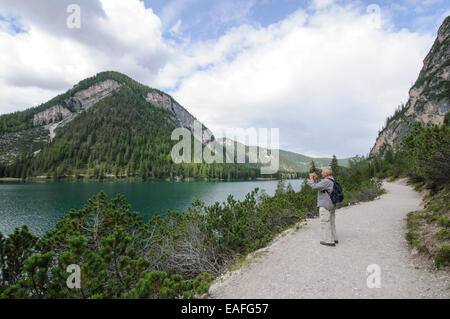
{"x":179,"y":114}
{"x":88,"y":97}
{"x":59,"y":115}
{"x":53,"y":114}
{"x":428,"y":98}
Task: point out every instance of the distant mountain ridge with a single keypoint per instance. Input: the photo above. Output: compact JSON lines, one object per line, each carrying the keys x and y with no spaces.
{"x":428,"y":98}
{"x":110,"y":125}
{"x":290,"y":161}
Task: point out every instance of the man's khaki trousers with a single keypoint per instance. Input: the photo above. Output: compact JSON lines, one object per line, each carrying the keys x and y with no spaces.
{"x":328,"y":225}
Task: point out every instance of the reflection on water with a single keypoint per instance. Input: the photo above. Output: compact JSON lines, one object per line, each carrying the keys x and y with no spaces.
{"x":42,"y":205}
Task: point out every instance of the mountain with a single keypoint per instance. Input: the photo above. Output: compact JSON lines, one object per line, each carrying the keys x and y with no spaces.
{"x":63,"y":109}
{"x":106,"y":125}
{"x":112,"y":126}
{"x":294,"y":162}
{"x":289,"y":161}
{"x":428,"y":98}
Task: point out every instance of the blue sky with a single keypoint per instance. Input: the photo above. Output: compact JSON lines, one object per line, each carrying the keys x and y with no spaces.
{"x":13,"y":24}
{"x":204,"y":20}
{"x":300,"y":66}
{"x":209,"y":19}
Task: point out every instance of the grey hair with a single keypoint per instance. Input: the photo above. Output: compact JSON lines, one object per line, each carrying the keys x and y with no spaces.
{"x":328,"y":170}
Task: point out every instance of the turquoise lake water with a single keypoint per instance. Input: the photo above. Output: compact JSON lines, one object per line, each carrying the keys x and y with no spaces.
{"x":42,"y":205}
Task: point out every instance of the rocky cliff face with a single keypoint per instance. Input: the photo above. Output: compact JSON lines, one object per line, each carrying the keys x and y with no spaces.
{"x":50,"y":115}
{"x":428,"y":98}
{"x":83,"y":99}
{"x":59,"y":115}
{"x":179,"y":114}
{"x":88,"y":97}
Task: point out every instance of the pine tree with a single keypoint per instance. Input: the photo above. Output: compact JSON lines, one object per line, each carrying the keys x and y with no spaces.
{"x":4,"y":127}
{"x":389,"y":156}
{"x":313,"y":168}
{"x":334,"y":167}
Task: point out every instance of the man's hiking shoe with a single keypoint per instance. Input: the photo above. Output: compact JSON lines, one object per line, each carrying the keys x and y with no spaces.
{"x":327,"y":244}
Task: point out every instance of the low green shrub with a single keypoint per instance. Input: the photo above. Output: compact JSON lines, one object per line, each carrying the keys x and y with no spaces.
{"x":412,"y":237}
{"x":443,"y":257}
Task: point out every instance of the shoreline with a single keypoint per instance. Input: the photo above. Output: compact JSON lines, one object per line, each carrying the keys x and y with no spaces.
{"x":9,"y":179}
{"x":132,"y":180}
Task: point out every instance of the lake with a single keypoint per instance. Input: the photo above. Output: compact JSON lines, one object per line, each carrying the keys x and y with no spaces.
{"x":41,"y":205}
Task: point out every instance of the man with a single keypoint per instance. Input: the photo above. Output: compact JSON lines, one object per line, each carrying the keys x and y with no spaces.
{"x":326,"y":206}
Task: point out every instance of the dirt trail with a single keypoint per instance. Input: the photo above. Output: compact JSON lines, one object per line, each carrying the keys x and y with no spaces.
{"x":297,"y":266}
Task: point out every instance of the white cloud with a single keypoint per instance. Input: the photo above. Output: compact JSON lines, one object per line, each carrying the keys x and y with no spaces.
{"x":35,"y":64}
{"x":320,"y":4}
{"x":49,"y":57}
{"x":13,"y":98}
{"x":327,"y":79}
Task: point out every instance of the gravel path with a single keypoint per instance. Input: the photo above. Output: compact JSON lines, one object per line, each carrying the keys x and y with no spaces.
{"x":297,"y":266}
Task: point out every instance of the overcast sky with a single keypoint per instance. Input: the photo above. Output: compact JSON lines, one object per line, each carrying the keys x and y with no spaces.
{"x":326,"y":73}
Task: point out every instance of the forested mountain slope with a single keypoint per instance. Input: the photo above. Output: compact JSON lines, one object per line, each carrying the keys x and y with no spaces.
{"x":105,"y":125}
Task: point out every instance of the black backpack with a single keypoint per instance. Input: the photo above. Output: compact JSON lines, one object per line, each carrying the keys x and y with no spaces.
{"x":336,"y":195}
